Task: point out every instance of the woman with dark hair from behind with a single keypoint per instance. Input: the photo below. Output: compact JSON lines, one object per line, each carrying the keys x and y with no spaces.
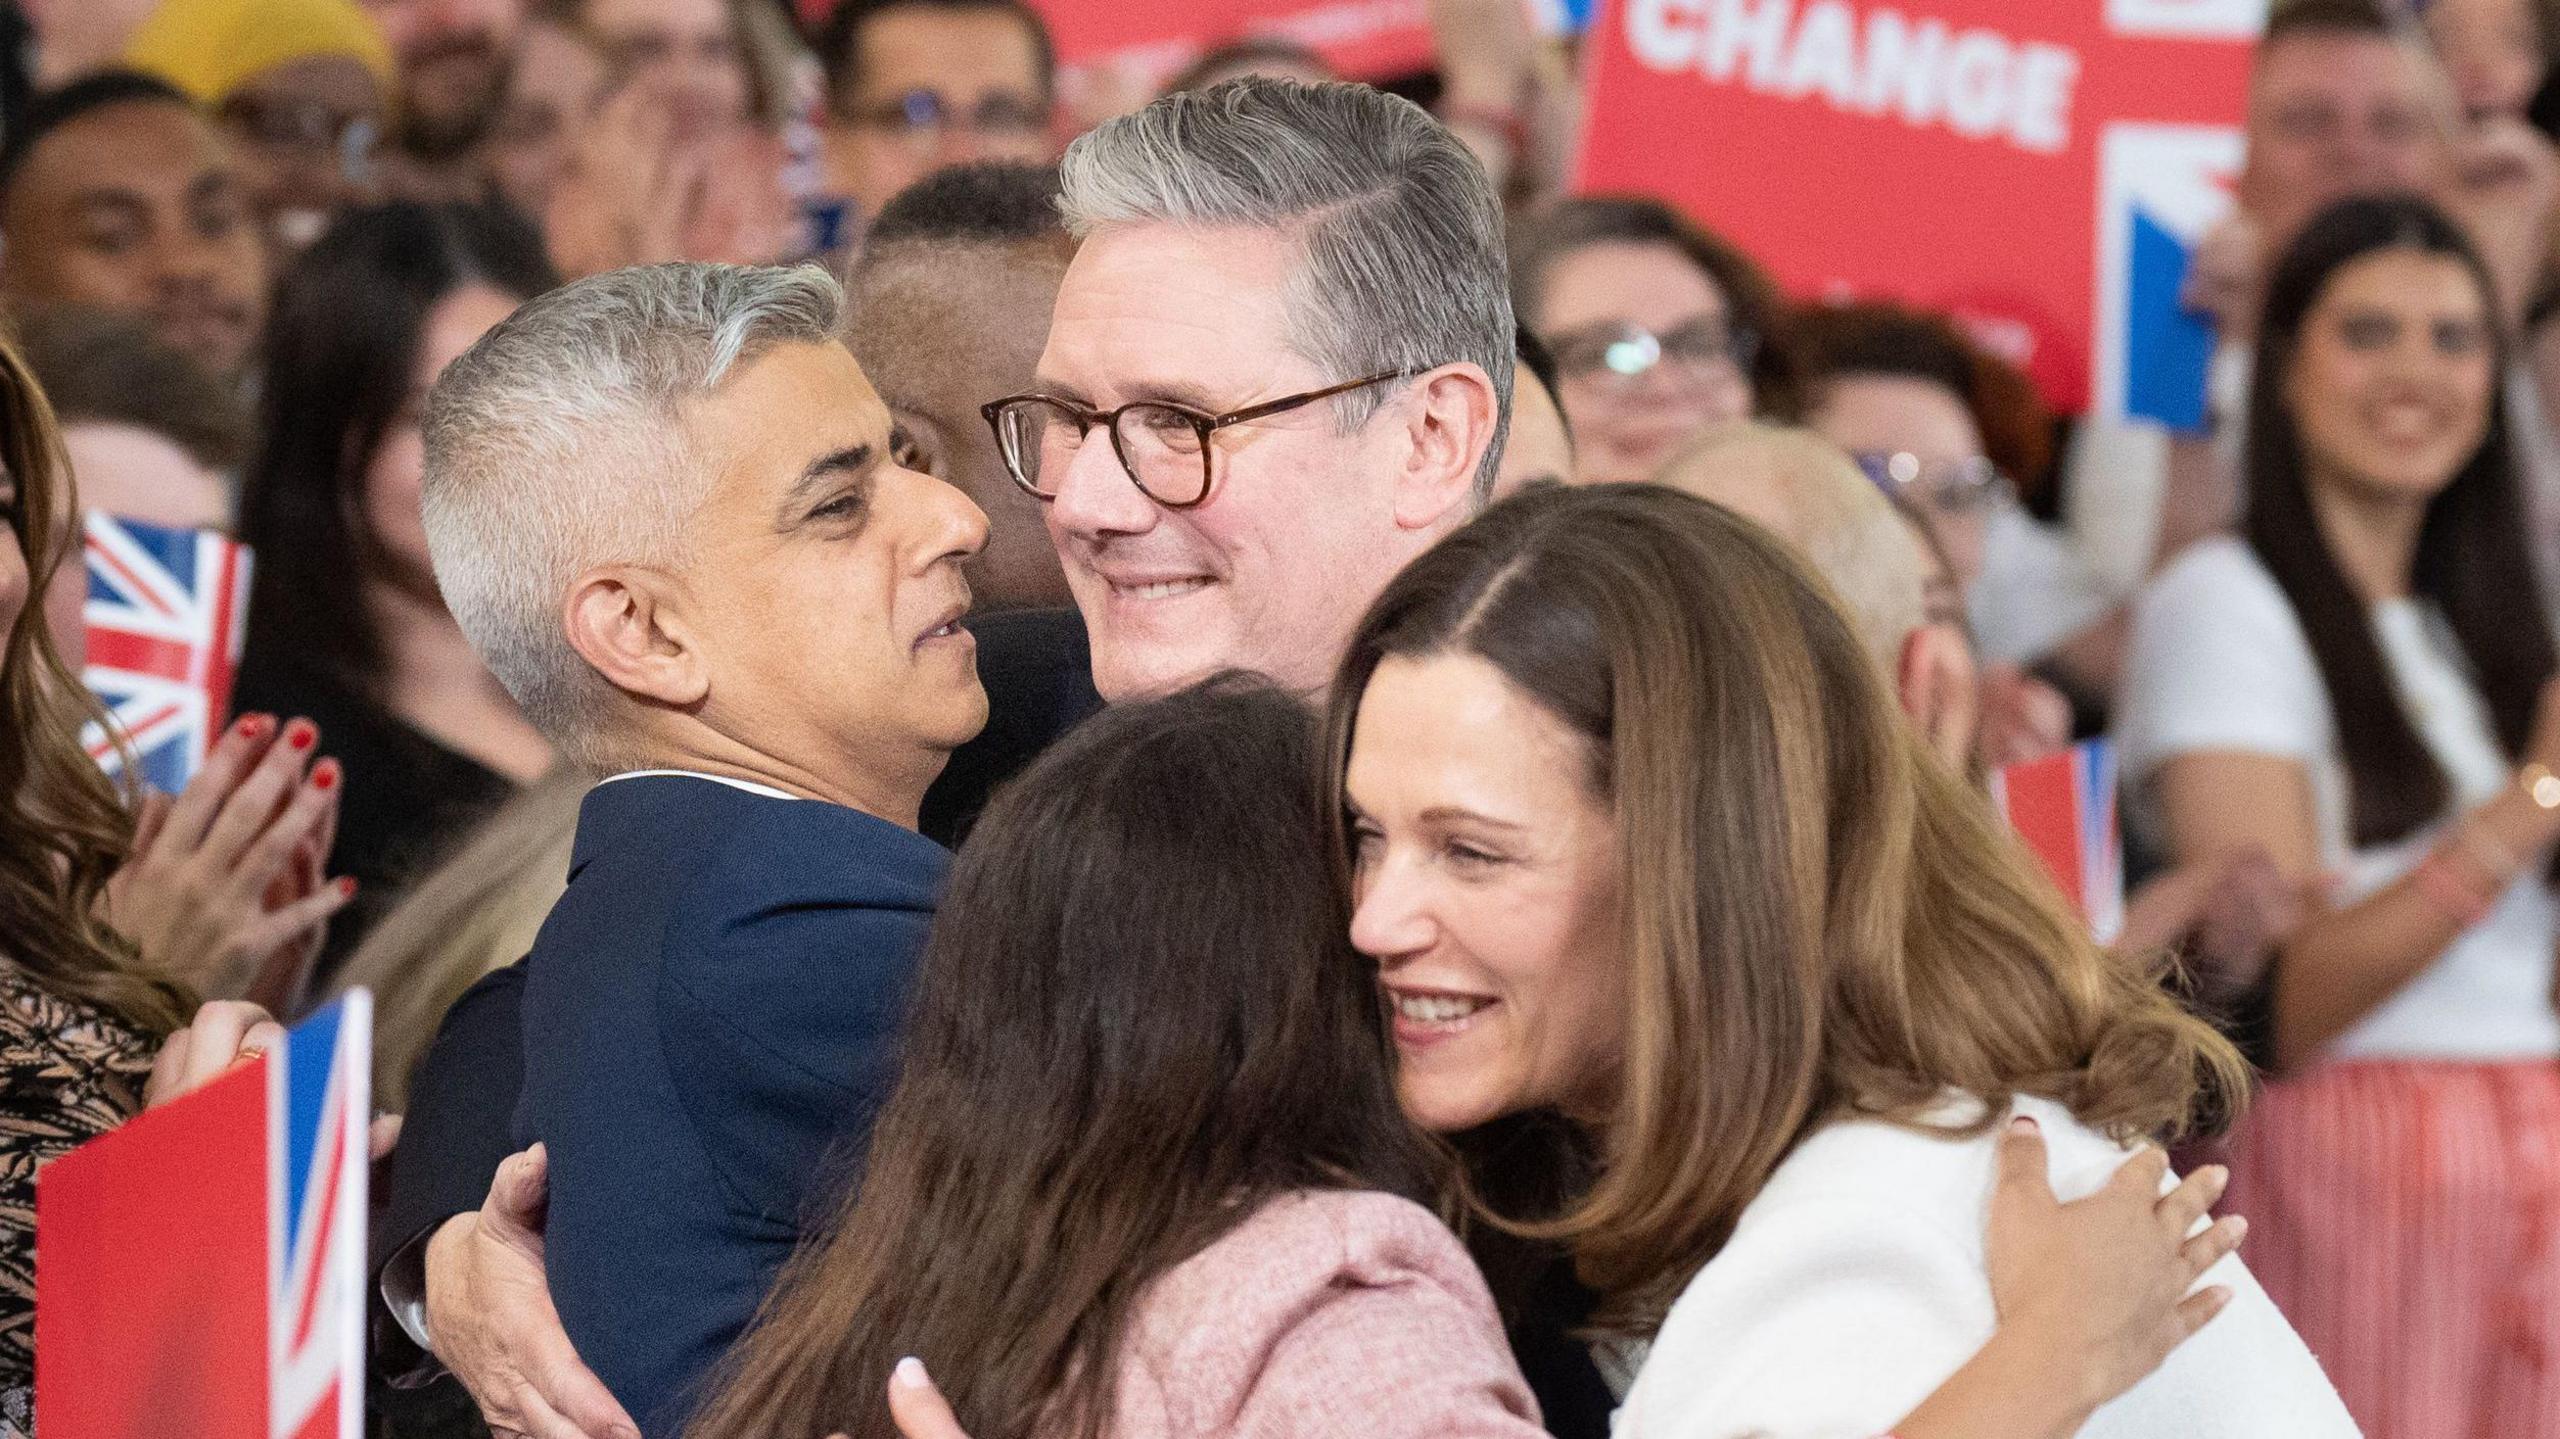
{"x":345,"y":621}
{"x":1659,"y":329}
{"x":2362,"y":685}
{"x":1144,"y":1169}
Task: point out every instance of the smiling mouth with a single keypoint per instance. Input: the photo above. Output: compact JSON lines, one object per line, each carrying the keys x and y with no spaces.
{"x":1446,"y":1012}
{"x":1160,"y":589}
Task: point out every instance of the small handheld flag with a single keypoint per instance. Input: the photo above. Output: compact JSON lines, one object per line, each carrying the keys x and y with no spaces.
{"x":200,"y":1271}
{"x":165,"y":623}
{"x":2064,"y":807}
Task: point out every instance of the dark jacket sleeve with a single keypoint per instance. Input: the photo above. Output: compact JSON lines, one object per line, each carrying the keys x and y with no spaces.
{"x":462,"y":1106}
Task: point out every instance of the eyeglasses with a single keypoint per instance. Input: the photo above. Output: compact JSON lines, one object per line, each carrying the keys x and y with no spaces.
{"x":1616,"y":356}
{"x":1163,"y":447}
{"x":309,"y":127}
{"x":1952,"y":487}
{"x":921,"y":116}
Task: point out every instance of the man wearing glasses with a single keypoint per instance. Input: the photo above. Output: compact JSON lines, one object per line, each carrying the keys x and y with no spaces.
{"x":916,"y":85}
{"x":1278,"y":370}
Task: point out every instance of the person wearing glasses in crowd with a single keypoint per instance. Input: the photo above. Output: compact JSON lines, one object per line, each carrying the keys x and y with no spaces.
{"x":1659,"y":330}
{"x":1917,"y":406}
{"x":914,"y":85}
{"x":303,"y":87}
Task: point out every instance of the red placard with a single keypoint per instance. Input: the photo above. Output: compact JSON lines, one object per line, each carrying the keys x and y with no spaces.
{"x":1946,"y":153}
{"x":1146,"y":41}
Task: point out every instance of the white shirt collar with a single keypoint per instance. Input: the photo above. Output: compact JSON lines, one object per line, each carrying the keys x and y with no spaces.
{"x":750,"y":786}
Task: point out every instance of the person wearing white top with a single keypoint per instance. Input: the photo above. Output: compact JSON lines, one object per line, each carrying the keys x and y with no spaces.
{"x":1639,"y":842}
{"x":1867,"y":1245}
{"x":2361,"y":686}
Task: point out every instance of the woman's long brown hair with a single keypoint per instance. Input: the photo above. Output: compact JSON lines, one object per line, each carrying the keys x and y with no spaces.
{"x":63,"y":827}
{"x":1819,"y":919}
{"x":1138,"y":1018}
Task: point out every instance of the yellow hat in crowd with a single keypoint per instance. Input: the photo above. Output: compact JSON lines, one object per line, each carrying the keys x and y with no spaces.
{"x":211,"y":48}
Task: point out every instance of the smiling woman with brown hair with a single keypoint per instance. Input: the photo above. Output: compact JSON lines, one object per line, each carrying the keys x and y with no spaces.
{"x":1639,"y":841}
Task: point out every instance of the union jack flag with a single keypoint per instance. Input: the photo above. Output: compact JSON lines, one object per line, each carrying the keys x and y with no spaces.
{"x":202,"y":1271}
{"x":165,"y":616}
{"x":2064,"y":807}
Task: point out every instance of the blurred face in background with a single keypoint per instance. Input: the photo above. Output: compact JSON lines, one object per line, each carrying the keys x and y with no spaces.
{"x":559,"y":79}
{"x":1919,"y":438}
{"x":141,"y":474}
{"x":934,"y":87}
{"x":393,"y":477}
{"x":942,"y":329}
{"x":2391,"y":381}
{"x":138,"y":209}
{"x":2492,"y":51}
{"x":684,"y":52}
{"x":1647,"y":354}
{"x":2334,"y":114}
{"x":307,"y":134}
{"x":454,"y":56}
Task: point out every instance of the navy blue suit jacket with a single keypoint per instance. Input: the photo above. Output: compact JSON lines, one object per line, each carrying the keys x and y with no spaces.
{"x":710,"y":1009}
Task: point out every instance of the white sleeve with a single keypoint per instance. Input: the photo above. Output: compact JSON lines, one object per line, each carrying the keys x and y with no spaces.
{"x":2217,"y":661}
{"x":2036,"y":589}
{"x":1829,"y":1319}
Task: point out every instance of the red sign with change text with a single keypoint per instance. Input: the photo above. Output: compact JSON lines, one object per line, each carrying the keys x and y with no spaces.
{"x":1970,"y":155}
{"x":1147,"y":41}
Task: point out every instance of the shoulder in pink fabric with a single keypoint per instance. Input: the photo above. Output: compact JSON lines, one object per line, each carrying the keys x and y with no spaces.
{"x":1326,"y":1313}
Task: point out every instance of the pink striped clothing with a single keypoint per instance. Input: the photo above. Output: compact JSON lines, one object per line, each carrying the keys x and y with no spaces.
{"x":1329,"y":1312}
{"x":2405,"y":1215}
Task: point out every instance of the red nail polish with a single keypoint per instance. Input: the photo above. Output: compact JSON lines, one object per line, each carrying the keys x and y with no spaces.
{"x":347,"y":886}
{"x":324,"y":775}
{"x":300,"y":734}
{"x":255,"y":726}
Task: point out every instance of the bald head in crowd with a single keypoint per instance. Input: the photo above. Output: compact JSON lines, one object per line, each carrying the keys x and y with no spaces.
{"x":1813,"y":496}
{"x":947,"y":309}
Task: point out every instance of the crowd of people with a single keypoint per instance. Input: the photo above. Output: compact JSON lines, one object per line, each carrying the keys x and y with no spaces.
{"x":1025,"y":760}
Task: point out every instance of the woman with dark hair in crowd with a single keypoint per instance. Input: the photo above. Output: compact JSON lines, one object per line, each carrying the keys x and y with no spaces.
{"x":2361,"y":685}
{"x":1940,"y":423}
{"x":103,"y":938}
{"x":345,"y":621}
{"x":1659,"y":329}
{"x":1145,"y":1171}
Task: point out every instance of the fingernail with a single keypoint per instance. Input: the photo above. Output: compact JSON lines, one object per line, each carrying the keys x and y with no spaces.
{"x":255,"y":726}
{"x":2239,"y":1227}
{"x":346,"y":886}
{"x":301,"y":734}
{"x":2022,"y":1125}
{"x":324,"y":775}
{"x":910,"y":1372}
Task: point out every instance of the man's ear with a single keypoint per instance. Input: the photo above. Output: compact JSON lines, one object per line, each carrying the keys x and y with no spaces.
{"x":1449,"y":427}
{"x":625,"y":622}
{"x":1934,"y":682}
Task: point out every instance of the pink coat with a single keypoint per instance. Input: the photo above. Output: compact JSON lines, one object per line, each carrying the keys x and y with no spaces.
{"x":1326,"y":1313}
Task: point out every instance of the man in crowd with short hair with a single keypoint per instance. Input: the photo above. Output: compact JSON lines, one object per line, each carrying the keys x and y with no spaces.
{"x":454,"y":58}
{"x":1309,"y":281}
{"x":117,"y":193}
{"x":915,"y":85}
{"x":947,"y":308}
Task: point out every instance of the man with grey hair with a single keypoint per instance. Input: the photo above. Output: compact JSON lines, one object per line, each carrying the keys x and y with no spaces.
{"x":661,"y":503}
{"x":1289,"y":312}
